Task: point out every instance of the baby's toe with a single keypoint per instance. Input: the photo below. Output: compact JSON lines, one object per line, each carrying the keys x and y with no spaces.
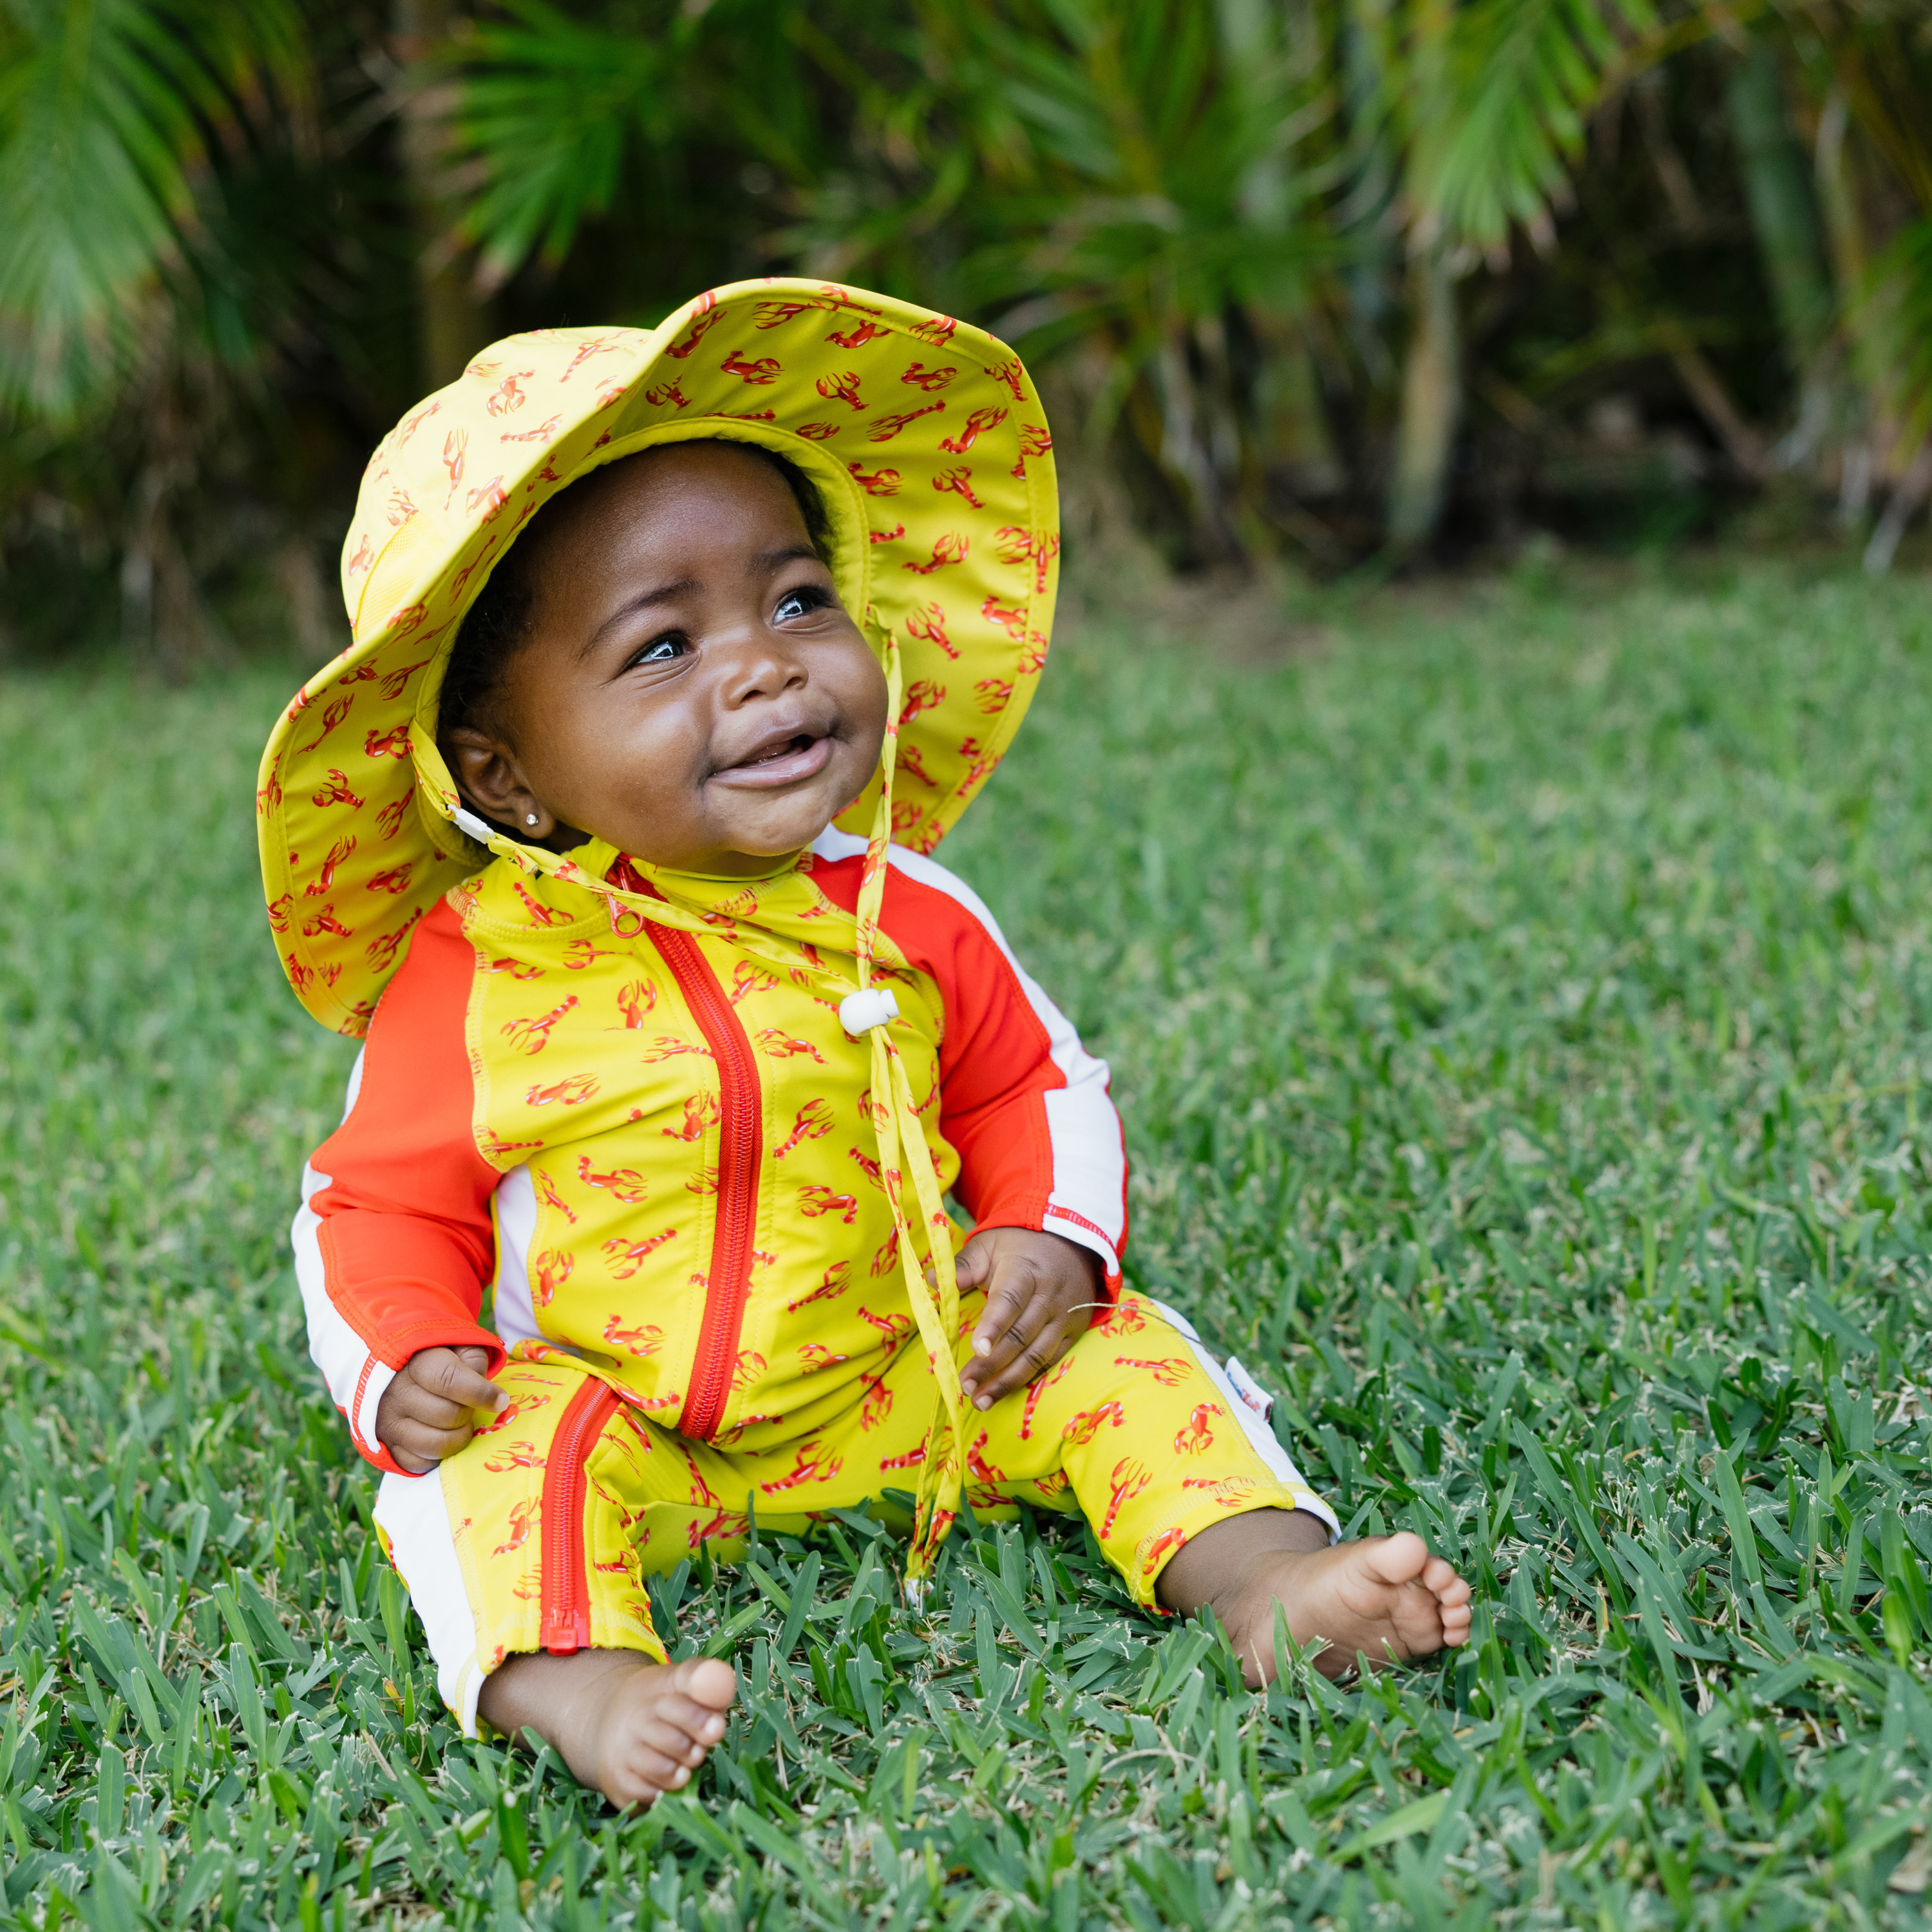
{"x":674,"y":1741}
{"x":708,"y":1682}
{"x":641,"y":1777}
{"x":1394,"y":1560}
{"x":699,"y":1722}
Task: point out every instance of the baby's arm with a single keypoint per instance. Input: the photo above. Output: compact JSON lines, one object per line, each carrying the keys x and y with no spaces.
{"x":394,"y":1240}
{"x":1042,"y":1169}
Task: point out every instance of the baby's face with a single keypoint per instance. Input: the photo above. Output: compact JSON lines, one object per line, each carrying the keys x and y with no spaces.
{"x":693,"y":692}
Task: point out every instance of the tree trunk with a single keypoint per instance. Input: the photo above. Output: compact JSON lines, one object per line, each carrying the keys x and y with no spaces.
{"x":1778,"y":192}
{"x":1432,"y":404}
{"x":453,"y":320}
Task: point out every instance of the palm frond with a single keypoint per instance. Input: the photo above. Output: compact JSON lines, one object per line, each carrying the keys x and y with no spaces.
{"x":109,"y":111}
{"x":1498,"y":129}
{"x":549,"y":106}
{"x":1896,"y":308}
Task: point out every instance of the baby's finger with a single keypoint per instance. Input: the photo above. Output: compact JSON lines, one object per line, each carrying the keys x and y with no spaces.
{"x":433,"y":1411}
{"x":972,"y":1265}
{"x":444,"y":1372}
{"x":980,"y":1369}
{"x":419,"y":1447}
{"x":1012,"y":1290}
{"x":1033,"y":1359}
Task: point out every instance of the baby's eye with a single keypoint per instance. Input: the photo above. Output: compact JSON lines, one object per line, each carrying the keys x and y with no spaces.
{"x":797,"y":603}
{"x":662,"y":650}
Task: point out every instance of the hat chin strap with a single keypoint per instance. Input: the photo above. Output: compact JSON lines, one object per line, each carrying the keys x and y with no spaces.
{"x":922,"y":1236}
{"x":903,"y":1151}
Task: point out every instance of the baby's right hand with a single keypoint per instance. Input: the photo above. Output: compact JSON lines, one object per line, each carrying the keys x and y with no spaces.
{"x":428,"y":1412}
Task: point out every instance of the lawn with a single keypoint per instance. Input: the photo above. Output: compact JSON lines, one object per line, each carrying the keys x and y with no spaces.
{"x":1520,"y":1005}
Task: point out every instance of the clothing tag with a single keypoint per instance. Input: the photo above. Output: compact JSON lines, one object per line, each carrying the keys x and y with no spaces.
{"x":1250,"y":1391}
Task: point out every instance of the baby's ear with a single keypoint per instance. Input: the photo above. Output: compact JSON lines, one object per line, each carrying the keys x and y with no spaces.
{"x":484,"y":769}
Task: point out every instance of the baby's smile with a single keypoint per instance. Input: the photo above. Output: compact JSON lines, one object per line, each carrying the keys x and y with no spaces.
{"x":781,"y":756}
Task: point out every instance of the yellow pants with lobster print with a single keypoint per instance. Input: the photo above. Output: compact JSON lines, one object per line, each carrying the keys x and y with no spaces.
{"x":539,"y":1534}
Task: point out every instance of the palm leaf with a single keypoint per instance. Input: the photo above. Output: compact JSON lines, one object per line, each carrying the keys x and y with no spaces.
{"x":1497,"y":129}
{"x":1896,"y":308}
{"x":548,"y":107}
{"x":108,"y":110}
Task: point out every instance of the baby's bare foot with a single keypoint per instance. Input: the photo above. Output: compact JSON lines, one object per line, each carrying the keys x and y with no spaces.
{"x":631,"y":1728}
{"x":1385,"y":1597}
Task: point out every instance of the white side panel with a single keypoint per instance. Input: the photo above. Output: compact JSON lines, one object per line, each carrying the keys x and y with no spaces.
{"x":355,"y":1378}
{"x":415,"y":1518}
{"x":1260,"y":1437}
{"x":515,"y":1318}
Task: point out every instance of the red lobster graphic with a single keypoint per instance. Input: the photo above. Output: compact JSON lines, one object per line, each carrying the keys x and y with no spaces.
{"x":572,"y":1092}
{"x":837,"y":1280}
{"x":977,"y":424}
{"x":531,"y":1036}
{"x":625,"y":1184}
{"x":817,"y":1201}
{"x":927,"y":623}
{"x":884,"y":428}
{"x":553,"y":1267}
{"x":700,"y":1112}
{"x":635,"y":1000}
{"x":642,"y":1343}
{"x":951,"y":548}
{"x":627,"y":1257}
{"x":764,"y":369}
{"x":1195,"y":1435}
{"x":959,"y":480}
{"x":813,"y":1123}
{"x":844,"y":388}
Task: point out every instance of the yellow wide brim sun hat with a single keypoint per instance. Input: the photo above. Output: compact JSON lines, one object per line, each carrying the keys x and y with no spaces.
{"x":928,"y":446}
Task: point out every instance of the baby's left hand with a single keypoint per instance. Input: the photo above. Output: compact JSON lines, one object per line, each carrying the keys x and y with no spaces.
{"x":1042,"y":1291}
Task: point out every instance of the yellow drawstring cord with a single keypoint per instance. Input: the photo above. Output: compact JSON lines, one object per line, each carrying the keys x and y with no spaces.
{"x":903,"y":1150}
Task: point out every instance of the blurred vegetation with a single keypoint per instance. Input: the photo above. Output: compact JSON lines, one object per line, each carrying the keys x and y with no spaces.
{"x":1328,"y":280}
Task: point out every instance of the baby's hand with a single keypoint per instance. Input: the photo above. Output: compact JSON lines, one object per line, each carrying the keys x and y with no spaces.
{"x":428,"y":1412}
{"x":1042,"y":1291}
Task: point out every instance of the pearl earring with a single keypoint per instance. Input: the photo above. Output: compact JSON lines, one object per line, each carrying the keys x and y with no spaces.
{"x":529,"y":818}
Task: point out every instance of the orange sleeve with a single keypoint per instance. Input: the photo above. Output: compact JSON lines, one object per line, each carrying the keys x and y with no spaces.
{"x":395,"y":1240}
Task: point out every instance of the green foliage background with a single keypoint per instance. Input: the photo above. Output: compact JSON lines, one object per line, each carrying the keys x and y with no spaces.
{"x":1519,"y":1010}
{"x":1324,"y":279}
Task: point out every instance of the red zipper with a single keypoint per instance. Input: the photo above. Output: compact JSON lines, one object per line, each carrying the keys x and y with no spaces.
{"x":566,"y":1589}
{"x":740,"y":1146}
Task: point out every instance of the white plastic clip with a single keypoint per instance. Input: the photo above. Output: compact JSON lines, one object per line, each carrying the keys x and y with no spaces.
{"x":859,"y":1013}
{"x":467,"y":821}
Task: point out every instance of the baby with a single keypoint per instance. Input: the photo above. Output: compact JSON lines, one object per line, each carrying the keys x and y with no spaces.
{"x":679,"y":1072}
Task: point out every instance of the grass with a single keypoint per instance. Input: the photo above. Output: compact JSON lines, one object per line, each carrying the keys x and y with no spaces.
{"x":1521,"y":1013}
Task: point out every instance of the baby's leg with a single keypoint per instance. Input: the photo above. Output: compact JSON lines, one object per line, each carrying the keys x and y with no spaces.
{"x":1385,"y":1597}
{"x":1194,"y":1502}
{"x":524,"y":1554}
{"x":631,"y":1728}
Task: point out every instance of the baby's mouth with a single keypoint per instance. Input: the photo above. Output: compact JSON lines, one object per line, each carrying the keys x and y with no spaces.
{"x":779,"y":761}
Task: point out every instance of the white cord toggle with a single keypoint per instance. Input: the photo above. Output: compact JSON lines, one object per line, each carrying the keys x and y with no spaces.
{"x":468,"y":821}
{"x":859,"y":1013}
